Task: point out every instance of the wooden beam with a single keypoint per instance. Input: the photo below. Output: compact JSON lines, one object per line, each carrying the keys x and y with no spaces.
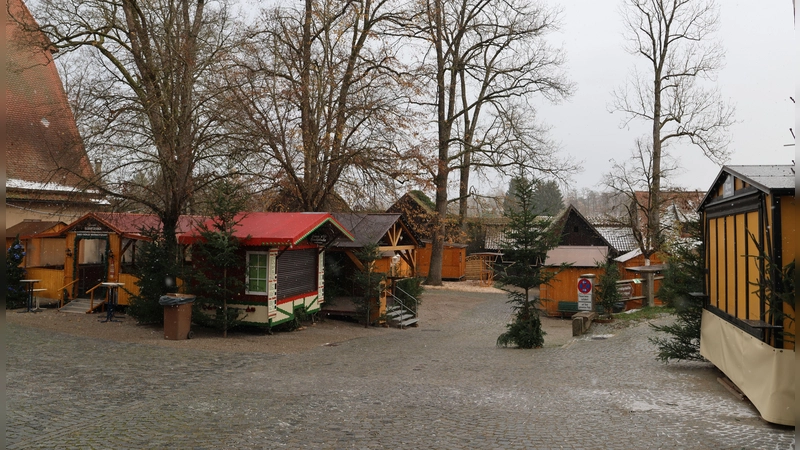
{"x":397,"y":248}
{"x":410,"y":258}
{"x":394,"y":235}
{"x":355,"y":260}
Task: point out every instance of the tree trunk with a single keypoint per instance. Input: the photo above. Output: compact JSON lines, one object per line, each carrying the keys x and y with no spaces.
{"x":654,"y":200}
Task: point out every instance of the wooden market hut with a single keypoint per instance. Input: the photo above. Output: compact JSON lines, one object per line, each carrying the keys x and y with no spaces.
{"x":96,"y":248}
{"x":580,"y":245}
{"x":749,"y":208}
{"x":284,"y":263}
{"x":395,"y":241}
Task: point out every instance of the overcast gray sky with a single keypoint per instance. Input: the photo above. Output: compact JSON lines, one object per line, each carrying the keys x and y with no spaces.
{"x":758,"y":78}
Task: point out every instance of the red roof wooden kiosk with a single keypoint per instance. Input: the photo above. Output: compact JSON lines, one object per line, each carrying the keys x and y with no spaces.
{"x":284,"y":254}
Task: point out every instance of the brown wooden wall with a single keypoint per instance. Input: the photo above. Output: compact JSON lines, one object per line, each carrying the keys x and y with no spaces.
{"x":454,"y":261}
{"x":52,"y":280}
{"x":564,"y":287}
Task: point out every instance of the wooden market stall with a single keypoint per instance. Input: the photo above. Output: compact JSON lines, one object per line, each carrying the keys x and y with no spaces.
{"x":98,"y":247}
{"x":581,"y":246}
{"x":398,"y":247}
{"x":284,"y":263}
{"x":749,"y":221}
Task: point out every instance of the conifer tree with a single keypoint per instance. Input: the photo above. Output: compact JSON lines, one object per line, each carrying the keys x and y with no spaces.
{"x":527,"y":240}
{"x":15,"y":292}
{"x":157,"y":271}
{"x":605,"y":289}
{"x":368,"y":281}
{"x":218,"y":264}
{"x":682,"y":277}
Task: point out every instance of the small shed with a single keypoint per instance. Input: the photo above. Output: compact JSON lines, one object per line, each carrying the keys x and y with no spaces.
{"x":454,"y":260}
{"x":284,"y":263}
{"x":749,"y":220}
{"x":389,"y":232}
{"x":72,"y":260}
{"x":103,"y":247}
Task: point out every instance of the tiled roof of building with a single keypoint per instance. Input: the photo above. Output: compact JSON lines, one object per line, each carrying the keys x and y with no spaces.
{"x":42,"y":141}
{"x":621,"y":238}
{"x":275,"y":229}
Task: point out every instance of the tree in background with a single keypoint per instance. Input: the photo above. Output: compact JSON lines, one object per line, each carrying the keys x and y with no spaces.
{"x":527,"y":240}
{"x":319,"y":94}
{"x":145,"y":96}
{"x":216,"y":277}
{"x":683,"y":276}
{"x":16,"y":297}
{"x":547,"y":198}
{"x":605,"y":289}
{"x":674,"y":37}
{"x":484,"y":61}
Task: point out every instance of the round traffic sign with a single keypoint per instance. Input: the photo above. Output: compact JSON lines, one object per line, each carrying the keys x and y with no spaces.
{"x":584,"y":286}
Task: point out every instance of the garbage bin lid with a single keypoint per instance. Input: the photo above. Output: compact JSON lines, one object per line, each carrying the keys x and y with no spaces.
{"x":175,"y":299}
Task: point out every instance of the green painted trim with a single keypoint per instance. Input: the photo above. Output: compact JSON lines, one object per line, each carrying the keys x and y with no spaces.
{"x":288,"y":313}
{"x":310,"y":305}
{"x":344,"y":231}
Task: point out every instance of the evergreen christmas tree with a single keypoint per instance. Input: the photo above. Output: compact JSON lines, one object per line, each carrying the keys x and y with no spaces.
{"x":157,"y":271}
{"x":683,"y":276}
{"x":368,"y":281}
{"x":16,"y":296}
{"x":218,"y":263}
{"x":528,"y":238}
{"x":605,"y":289}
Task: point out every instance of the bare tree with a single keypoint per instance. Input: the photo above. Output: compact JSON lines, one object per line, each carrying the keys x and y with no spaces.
{"x":144,"y":97}
{"x":486,"y":59}
{"x":319,"y":95}
{"x":675,"y":38}
{"x":631,"y":182}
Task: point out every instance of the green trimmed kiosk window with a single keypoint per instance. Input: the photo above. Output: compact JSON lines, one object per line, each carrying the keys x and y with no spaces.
{"x":257,"y":272}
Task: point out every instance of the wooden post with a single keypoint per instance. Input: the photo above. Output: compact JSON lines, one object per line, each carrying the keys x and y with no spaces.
{"x":650,"y":287}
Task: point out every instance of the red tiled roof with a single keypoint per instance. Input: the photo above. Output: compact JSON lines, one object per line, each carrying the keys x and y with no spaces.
{"x":280,"y":229}
{"x":42,"y":140}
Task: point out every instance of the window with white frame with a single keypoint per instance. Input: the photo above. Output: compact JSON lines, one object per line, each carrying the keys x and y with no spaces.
{"x":257,"y":273}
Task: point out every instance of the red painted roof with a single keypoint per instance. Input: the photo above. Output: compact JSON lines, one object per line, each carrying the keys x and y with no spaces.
{"x":275,"y":229}
{"x":134,"y":224}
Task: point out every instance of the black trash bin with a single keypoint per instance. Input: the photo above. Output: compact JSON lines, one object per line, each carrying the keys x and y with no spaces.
{"x":177,"y":315}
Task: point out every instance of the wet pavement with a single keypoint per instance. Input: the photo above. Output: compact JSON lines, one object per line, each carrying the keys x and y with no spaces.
{"x":447,"y":387}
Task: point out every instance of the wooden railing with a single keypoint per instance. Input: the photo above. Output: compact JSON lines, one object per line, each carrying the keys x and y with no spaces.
{"x":91,"y":296}
{"x":61,"y":297}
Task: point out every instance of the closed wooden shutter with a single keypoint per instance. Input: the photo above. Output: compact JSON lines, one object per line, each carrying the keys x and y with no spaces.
{"x":297,"y":273}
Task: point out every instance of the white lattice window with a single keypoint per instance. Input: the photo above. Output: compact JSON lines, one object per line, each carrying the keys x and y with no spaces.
{"x":257,"y":279}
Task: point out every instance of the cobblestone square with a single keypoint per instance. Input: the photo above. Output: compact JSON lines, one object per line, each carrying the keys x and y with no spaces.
{"x":443,"y":387}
